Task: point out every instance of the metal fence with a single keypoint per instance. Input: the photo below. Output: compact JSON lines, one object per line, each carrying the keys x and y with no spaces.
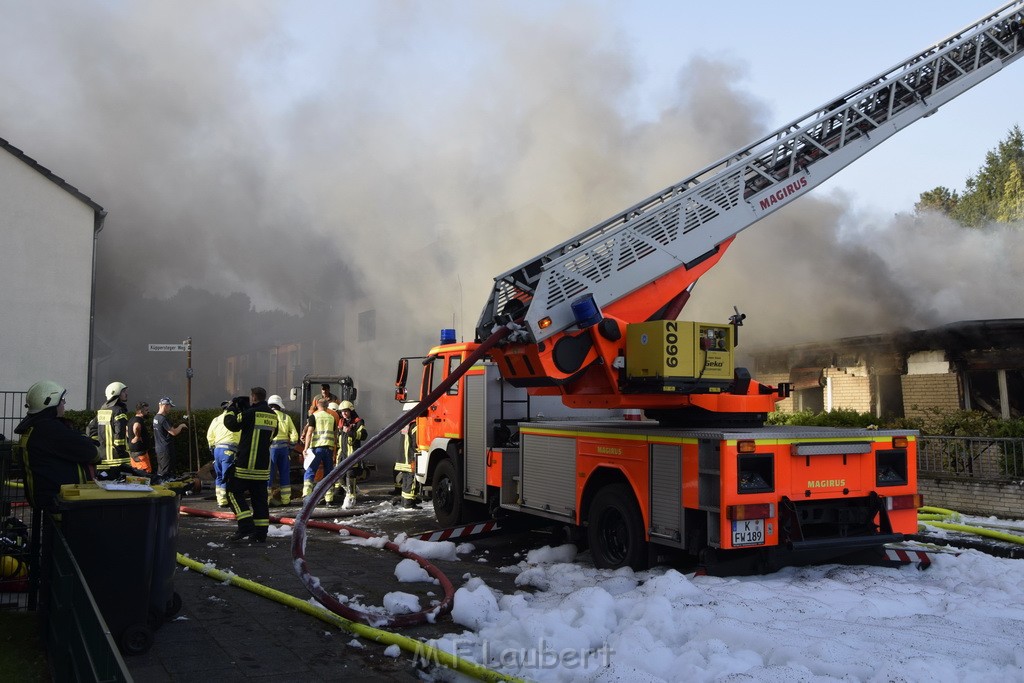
{"x":971,"y":457}
{"x":15,"y":530}
{"x":12,"y":410}
{"x":79,"y":644}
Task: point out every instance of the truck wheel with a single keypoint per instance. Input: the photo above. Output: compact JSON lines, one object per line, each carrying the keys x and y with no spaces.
{"x":446,"y":494}
{"x":615,"y":529}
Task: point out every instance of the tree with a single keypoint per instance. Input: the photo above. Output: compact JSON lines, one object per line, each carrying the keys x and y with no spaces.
{"x":1011,"y":205}
{"x":941,"y":199}
{"x":994,"y":194}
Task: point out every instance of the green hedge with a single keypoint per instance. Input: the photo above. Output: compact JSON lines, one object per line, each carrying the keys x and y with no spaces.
{"x":935,"y":422}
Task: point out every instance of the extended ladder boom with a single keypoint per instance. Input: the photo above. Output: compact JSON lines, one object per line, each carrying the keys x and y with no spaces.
{"x":684,"y":222}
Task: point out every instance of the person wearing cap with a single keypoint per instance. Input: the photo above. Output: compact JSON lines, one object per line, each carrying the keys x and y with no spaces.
{"x":223,"y":444}
{"x":54,"y":452}
{"x":163,"y":435}
{"x":280,"y":449}
{"x":139,"y":440}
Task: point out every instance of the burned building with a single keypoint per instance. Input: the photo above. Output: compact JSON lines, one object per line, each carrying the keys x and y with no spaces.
{"x":971,"y":365}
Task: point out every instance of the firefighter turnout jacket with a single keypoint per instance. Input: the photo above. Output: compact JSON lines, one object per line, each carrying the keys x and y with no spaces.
{"x":110,"y":427}
{"x":286,"y":431}
{"x":352,"y":430}
{"x":55,"y":454}
{"x":257,"y":426}
{"x":219,"y":435}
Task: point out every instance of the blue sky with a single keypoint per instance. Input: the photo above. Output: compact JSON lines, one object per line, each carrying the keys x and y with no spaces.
{"x":800,"y":54}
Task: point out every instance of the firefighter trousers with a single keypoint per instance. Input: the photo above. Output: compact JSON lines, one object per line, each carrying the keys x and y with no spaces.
{"x":257,"y":519}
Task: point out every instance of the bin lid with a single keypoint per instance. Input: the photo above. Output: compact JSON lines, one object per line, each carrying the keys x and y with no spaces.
{"x":92,"y":492}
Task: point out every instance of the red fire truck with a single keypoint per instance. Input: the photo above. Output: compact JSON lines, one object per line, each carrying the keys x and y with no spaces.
{"x":540,"y":427}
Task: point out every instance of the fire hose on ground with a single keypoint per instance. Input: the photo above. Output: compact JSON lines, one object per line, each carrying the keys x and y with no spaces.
{"x":356,"y":621}
{"x":420,"y":650}
{"x":312,"y":583}
{"x":365,"y":617}
{"x":939,"y":518}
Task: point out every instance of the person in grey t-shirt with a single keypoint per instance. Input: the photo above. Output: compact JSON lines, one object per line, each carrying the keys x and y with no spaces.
{"x":163,"y":433}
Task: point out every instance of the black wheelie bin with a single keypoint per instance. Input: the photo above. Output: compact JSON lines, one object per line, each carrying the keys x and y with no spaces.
{"x":124,"y":538}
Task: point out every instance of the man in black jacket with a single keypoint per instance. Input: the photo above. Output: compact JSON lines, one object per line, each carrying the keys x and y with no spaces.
{"x":257,"y":425}
{"x":54,"y":452}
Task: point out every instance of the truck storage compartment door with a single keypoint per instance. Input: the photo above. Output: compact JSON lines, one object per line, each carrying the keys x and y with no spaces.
{"x":475,"y":411}
{"x":666,"y":486}
{"x":549,"y":475}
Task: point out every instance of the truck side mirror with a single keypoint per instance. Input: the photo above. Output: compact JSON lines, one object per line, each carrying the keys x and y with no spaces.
{"x":400,"y":379}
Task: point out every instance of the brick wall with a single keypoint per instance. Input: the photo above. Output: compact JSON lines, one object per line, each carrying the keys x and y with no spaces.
{"x":849,"y":391}
{"x":1002,"y":499}
{"x":921,"y":392}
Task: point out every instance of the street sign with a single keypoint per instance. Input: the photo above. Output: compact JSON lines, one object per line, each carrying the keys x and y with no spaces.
{"x":168,"y":347}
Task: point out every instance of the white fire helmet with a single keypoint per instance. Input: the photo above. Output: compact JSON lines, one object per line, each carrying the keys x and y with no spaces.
{"x":42,"y":395}
{"x":114,"y":389}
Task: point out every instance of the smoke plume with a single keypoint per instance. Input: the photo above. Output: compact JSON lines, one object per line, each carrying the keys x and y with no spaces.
{"x":394,"y":157}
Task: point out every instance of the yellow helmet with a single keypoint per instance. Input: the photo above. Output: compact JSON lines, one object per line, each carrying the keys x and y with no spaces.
{"x":41,"y":395}
{"x":346,"y":405}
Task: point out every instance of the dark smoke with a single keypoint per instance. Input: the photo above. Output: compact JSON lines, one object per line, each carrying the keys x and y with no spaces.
{"x":270,"y":181}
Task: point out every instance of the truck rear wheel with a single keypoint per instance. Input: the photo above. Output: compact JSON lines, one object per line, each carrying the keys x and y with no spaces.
{"x":446,"y":494}
{"x":615,"y":529}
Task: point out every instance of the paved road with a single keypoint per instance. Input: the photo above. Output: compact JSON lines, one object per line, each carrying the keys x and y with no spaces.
{"x":228,"y":634}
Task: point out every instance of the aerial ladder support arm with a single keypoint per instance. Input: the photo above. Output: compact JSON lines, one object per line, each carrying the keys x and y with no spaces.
{"x":641,"y":259}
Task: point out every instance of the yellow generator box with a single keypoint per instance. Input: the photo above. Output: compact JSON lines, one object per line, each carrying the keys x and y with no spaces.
{"x":678,"y":349}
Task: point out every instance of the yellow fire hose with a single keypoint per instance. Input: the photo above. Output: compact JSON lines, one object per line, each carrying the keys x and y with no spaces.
{"x":420,"y":650}
{"x":932,"y":516}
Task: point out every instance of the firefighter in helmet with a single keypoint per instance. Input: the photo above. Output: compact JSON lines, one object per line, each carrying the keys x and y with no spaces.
{"x":54,"y":452}
{"x":256,"y":425}
{"x":351,"y":434}
{"x":109,"y":427}
{"x":280,"y":450}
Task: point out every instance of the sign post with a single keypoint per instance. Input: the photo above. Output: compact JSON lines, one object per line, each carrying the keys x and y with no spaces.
{"x":193,"y":464}
{"x":185,"y":346}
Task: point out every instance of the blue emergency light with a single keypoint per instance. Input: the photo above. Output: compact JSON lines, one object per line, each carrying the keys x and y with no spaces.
{"x":447,"y":336}
{"x":585,"y":311}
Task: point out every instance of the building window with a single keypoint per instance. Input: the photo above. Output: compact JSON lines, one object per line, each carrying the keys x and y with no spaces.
{"x":809,"y":399}
{"x":997,"y":392}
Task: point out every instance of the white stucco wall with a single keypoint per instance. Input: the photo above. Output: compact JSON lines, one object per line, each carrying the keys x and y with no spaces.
{"x":46,"y":253}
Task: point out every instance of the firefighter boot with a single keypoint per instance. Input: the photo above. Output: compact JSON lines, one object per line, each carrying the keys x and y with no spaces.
{"x":307,"y":488}
{"x":331,"y":495}
{"x":244,"y":531}
{"x":286,"y":495}
{"x":350,"y":493}
{"x":222,"y":496}
{"x":274,"y":496}
{"x":408,"y":490}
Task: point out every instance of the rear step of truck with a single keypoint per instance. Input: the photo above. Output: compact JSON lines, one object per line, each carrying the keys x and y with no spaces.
{"x":491,"y":527}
